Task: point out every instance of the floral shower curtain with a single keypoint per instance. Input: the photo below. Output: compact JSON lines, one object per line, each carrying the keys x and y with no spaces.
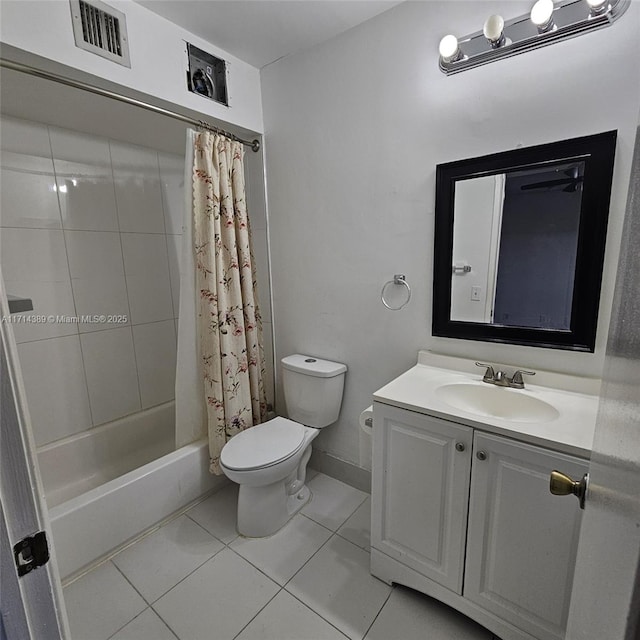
{"x":229,"y":322}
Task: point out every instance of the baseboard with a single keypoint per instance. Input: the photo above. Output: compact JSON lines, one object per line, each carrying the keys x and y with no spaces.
{"x":342,"y":470}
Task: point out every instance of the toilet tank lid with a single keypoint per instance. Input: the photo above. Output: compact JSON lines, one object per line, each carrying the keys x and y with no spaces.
{"x":313,"y":366}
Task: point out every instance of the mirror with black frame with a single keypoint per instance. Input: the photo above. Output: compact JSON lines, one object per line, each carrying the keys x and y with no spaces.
{"x":519,"y":244}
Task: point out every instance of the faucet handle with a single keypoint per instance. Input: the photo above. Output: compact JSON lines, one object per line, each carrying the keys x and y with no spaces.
{"x":517,"y":381}
{"x":489,"y":374}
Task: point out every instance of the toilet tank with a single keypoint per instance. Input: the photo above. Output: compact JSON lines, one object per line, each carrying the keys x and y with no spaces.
{"x":312,"y":389}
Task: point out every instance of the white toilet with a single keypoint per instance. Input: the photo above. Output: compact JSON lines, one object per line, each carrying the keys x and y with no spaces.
{"x":269,"y":461}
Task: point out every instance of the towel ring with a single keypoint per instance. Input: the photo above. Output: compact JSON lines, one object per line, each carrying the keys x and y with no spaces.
{"x":397,"y":279}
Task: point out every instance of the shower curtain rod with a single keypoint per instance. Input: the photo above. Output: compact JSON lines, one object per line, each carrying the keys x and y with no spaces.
{"x":77,"y":84}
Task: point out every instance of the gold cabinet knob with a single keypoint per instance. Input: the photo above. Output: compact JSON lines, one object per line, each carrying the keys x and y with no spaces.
{"x":560,"y":484}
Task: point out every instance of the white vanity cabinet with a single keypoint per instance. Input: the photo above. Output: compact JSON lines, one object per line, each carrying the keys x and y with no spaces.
{"x":420,"y":497}
{"x":476,"y":526}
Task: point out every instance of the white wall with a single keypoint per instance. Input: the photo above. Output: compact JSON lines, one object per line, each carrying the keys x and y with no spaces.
{"x":157,"y":50}
{"x":475,"y":244}
{"x":354,"y":130}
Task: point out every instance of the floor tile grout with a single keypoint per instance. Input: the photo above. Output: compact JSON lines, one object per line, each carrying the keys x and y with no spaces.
{"x":258,"y":612}
{"x":308,"y":605}
{"x":147,"y":608}
{"x":318,"y":614}
{"x":131,"y":585}
{"x":150,"y":605}
{"x":185,"y":577}
{"x":205,"y":529}
{"x":379,"y":612}
{"x":165,"y":622}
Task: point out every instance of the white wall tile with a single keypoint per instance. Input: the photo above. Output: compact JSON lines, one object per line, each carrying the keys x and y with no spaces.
{"x":53,"y":310}
{"x":147,"y":273}
{"x":25,"y":137}
{"x":172,"y":184}
{"x":55,"y":386}
{"x":155,"y":346}
{"x":34,"y":255}
{"x":85,"y":181}
{"x":137,"y":186}
{"x":34,"y":265}
{"x":111,"y":373}
{"x":28,"y":195}
{"x":93,"y":253}
{"x":97,"y":277}
{"x":174,"y":247}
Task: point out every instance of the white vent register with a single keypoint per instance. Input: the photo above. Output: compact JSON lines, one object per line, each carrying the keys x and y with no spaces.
{"x":100,"y":29}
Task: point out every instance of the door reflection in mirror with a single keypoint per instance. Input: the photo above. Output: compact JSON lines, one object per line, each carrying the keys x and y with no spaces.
{"x":518,"y":231}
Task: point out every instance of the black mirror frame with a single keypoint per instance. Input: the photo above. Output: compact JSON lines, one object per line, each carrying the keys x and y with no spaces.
{"x":598,"y":152}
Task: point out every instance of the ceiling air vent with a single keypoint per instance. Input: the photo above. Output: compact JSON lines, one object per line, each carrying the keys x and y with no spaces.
{"x":101,"y":29}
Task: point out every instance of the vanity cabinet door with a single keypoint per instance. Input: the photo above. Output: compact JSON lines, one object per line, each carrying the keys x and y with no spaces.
{"x":522,"y":540}
{"x":420,"y":488}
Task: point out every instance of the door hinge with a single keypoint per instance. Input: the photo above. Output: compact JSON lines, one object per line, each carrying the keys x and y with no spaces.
{"x":31,"y":552}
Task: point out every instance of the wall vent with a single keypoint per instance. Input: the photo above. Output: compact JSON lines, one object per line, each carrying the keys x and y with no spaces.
{"x":100,"y":29}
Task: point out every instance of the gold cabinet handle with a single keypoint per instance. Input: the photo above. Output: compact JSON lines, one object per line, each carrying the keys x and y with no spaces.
{"x":561,"y":484}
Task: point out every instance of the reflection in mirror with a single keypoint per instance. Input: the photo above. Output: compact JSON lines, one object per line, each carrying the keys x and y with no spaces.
{"x":519,"y":244}
{"x":518,"y":231}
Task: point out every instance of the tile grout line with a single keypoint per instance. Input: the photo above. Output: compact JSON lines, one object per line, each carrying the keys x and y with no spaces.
{"x":304,"y":604}
{"x":73,"y":295}
{"x":133,"y":587}
{"x":379,"y":612}
{"x":124,"y":271}
{"x":334,"y":534}
{"x":184,"y":578}
{"x":260,"y":611}
{"x":84,"y":333}
{"x":166,"y":242}
{"x":283,"y":587}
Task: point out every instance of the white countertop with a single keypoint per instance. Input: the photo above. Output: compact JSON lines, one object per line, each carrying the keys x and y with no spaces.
{"x":571,"y":432}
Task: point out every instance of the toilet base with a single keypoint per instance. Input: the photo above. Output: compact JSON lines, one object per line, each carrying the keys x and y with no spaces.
{"x":262,"y":511}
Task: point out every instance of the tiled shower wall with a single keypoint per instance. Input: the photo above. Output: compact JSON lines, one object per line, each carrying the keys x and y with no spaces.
{"x":91,"y":227}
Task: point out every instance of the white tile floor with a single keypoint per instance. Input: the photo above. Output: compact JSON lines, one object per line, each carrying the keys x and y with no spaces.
{"x":196,"y":579}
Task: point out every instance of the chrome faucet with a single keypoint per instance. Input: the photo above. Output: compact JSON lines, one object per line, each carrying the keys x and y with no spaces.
{"x":501,"y":379}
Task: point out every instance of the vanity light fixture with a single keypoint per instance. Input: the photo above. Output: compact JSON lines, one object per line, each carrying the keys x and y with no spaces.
{"x":548,"y":22}
{"x":542,"y":15}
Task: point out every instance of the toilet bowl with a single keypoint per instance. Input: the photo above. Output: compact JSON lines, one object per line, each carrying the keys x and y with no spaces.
{"x":269,"y":460}
{"x":269,"y":463}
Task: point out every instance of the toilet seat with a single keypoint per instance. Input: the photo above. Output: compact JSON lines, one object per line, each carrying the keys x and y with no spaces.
{"x":263,"y":445}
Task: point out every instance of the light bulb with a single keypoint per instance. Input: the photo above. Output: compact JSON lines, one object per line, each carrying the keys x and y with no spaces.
{"x":493,"y":31}
{"x":597,"y":6}
{"x":542,"y":15}
{"x":449,"y":50}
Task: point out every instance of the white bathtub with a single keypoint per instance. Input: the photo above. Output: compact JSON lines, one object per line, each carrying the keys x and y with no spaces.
{"x":108,"y":485}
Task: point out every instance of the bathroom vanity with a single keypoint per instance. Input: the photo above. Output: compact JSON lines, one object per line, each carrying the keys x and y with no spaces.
{"x":461,"y":508}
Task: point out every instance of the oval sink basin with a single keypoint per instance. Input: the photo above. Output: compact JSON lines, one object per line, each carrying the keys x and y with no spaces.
{"x":496,"y":402}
